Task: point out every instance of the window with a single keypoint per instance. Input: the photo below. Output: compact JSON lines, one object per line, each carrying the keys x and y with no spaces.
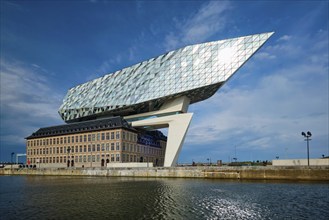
{"x":85,"y":138}
{"x":80,"y":159}
{"x":84,"y":148}
{"x":77,"y":150}
{"x":107,"y":146}
{"x":93,"y":157}
{"x":103,"y":136}
{"x":107,"y":136}
{"x":89,"y":158}
{"x":98,"y":158}
{"x":80,"y":149}
{"x":72,"y":148}
{"x":98,"y":136}
{"x":112,"y":146}
{"x":117,"y":157}
{"x":64,"y":140}
{"x":61,"y":150}
{"x":103,"y":147}
{"x":72,"y":139}
{"x":93,"y":147}
{"x":123,"y":135}
{"x":61,"y":140}
{"x":117,"y":135}
{"x":93,"y":137}
{"x":89,"y":147}
{"x":68,"y":140}
{"x":84,"y":158}
{"x":80,"y":138}
{"x":112,"y":135}
{"x":117,"y":146}
{"x":112,"y":157}
{"x":98,"y":147}
{"x":89,"y":137}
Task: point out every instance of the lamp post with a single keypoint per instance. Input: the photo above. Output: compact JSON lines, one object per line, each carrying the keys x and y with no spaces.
{"x":307,"y":135}
{"x":91,"y":157}
{"x":12,"y":155}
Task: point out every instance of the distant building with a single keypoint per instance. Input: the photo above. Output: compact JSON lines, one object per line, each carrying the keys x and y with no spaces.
{"x":95,"y":144}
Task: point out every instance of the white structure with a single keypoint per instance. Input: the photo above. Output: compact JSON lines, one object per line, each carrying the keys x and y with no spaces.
{"x":162,"y":88}
{"x":19,"y":155}
{"x":301,"y":162}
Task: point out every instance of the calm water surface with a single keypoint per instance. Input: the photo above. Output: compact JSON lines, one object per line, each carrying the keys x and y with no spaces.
{"x":33,"y":197}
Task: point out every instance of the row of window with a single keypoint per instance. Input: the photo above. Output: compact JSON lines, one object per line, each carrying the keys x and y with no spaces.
{"x":75,"y":149}
{"x":91,"y":158}
{"x":83,"y":138}
{"x":76,"y":159}
{"x":95,"y":148}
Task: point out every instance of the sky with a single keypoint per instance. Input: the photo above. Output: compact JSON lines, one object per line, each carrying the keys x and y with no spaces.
{"x":48,"y":47}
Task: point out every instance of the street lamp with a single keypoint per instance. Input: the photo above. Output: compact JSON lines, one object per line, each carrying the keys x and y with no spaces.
{"x":12,"y":155}
{"x":307,"y":135}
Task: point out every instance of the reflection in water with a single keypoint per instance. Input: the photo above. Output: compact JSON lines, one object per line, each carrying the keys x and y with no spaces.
{"x":32,"y":197}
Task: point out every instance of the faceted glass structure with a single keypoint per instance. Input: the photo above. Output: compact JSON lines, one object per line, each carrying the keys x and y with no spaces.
{"x":195,"y":71}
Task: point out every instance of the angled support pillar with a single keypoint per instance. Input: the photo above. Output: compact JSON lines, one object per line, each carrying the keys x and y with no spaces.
{"x":178,"y":125}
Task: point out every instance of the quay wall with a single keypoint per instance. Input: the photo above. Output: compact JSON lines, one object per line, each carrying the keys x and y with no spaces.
{"x":316,"y":173}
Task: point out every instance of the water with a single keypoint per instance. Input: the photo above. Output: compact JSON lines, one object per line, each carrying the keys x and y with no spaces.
{"x":41,"y":197}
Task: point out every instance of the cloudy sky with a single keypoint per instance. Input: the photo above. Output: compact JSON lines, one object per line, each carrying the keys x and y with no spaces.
{"x":48,"y":47}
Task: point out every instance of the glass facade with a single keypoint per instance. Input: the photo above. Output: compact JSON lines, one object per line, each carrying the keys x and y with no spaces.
{"x":195,"y":71}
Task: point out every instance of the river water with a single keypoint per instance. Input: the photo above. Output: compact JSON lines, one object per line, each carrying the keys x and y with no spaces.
{"x":41,"y":197}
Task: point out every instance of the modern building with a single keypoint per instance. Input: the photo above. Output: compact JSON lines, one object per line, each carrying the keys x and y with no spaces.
{"x":156,"y":93}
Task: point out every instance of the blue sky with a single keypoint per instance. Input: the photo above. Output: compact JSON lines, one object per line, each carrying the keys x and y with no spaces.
{"x":48,"y":47}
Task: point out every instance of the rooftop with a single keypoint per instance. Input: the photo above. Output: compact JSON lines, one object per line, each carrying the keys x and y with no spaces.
{"x":80,"y":127}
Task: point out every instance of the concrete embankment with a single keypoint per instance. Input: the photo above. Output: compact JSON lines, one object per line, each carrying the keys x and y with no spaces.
{"x":265,"y":173}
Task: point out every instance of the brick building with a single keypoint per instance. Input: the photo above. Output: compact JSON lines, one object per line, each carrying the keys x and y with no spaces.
{"x":95,"y":143}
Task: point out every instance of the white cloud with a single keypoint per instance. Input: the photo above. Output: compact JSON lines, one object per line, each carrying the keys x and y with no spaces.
{"x":207,"y":21}
{"x":264,"y":56}
{"x":271,"y":114}
{"x":284,"y":38}
{"x":27,"y":100}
